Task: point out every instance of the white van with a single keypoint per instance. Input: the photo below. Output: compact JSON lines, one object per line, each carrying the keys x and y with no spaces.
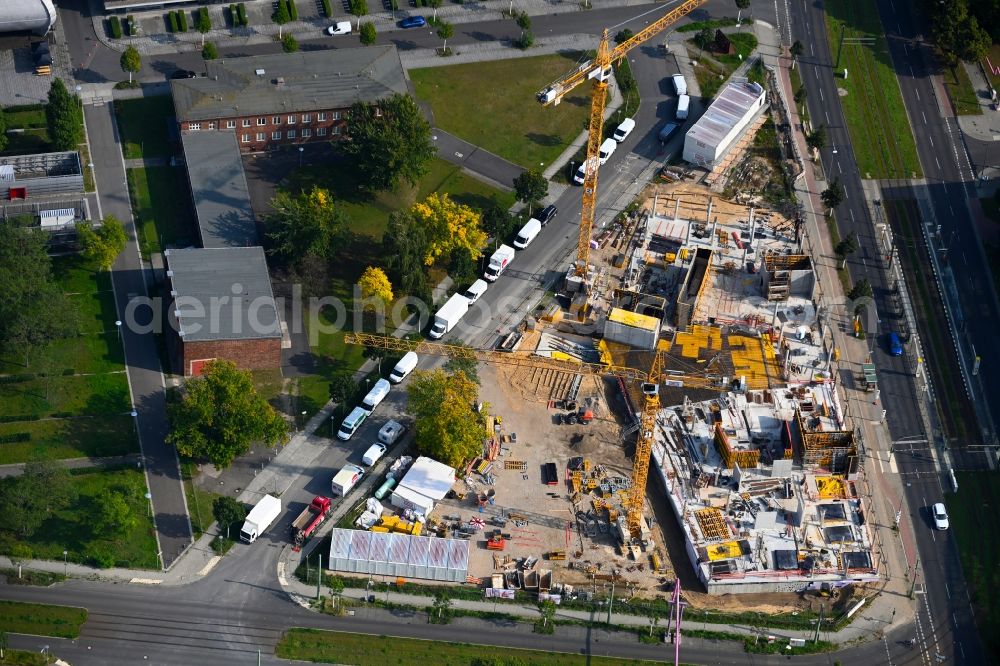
{"x":624,"y":130}
{"x":404,"y":367}
{"x":476,"y":290}
{"x":339,"y":28}
{"x":373,"y":453}
{"x":375,"y":396}
{"x":352,"y":423}
{"x":581,"y":173}
{"x":607,"y":150}
{"x":680,"y":85}
{"x":527,"y":233}
{"x":683,"y":102}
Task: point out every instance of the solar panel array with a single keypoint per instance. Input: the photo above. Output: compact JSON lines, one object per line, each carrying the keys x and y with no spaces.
{"x":400,"y":555}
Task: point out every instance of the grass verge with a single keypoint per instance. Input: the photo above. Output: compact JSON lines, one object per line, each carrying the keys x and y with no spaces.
{"x":22,"y":658}
{"x":517,"y":127}
{"x":366,"y":650}
{"x":162,"y":207}
{"x":972,"y":507}
{"x":963,"y":95}
{"x":199,"y":501}
{"x":144,"y":126}
{"x":41,"y":619}
{"x":31,"y":577}
{"x":72,"y":529}
{"x":714,"y":69}
{"x":870,"y":97}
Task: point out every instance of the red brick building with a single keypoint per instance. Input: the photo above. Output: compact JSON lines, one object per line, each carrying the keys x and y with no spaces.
{"x":286,"y":98}
{"x":222,"y":308}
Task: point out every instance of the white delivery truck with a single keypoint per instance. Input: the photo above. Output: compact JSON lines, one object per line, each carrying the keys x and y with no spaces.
{"x":376,"y":395}
{"x":607,"y":150}
{"x":527,"y":233}
{"x":346,"y":479}
{"x":499,"y":262}
{"x":680,"y":85}
{"x":683,"y":103}
{"x":352,"y":423}
{"x":449,"y":314}
{"x":404,"y":367}
{"x":260,"y":518}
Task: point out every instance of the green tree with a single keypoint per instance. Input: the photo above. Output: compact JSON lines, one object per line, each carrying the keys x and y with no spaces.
{"x":463,"y":267}
{"x":3,"y":131}
{"x":958,"y":33}
{"x":796,"y":50}
{"x":220,"y":414}
{"x":114,"y":517}
{"x":375,"y":354}
{"x":44,"y":488}
{"x":547,"y":609}
{"x":445,"y":31}
{"x":19,"y":554}
{"x":442,"y":604}
{"x":817,"y":138}
{"x":367,"y":33}
{"x":130,"y":61}
{"x":525,"y":41}
{"x":530,"y":187}
{"x":33,"y":308}
{"x":209,"y":51}
{"x":359,"y":8}
{"x":623,"y":36}
{"x":342,"y":387}
{"x":390,"y":142}
{"x":846,"y":247}
{"x":289,"y":44}
{"x":833,"y":195}
{"x":281,"y":16}
{"x":404,"y":246}
{"x":104,"y":244}
{"x":861,"y":289}
{"x":64,"y":117}
{"x":464,"y":363}
{"x":435,"y":5}
{"x":305,"y":224}
{"x":523,"y":21}
{"x":704,"y":38}
{"x":204,"y":23}
{"x":227,"y":511}
{"x":498,"y":222}
{"x":800,"y":95}
{"x":448,"y":428}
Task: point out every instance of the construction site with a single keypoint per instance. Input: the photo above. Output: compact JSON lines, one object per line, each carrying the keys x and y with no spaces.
{"x":685,"y":344}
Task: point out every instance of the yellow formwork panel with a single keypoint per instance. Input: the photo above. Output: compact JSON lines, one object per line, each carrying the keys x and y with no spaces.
{"x":724,"y":551}
{"x":698,"y":338}
{"x":754,"y":359}
{"x":831,"y":487}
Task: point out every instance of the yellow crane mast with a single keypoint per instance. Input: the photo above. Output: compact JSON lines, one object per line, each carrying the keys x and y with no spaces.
{"x":651,"y":381}
{"x":599,"y":69}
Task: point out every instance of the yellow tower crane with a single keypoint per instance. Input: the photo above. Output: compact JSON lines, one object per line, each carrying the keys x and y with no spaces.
{"x":651,"y":382}
{"x":599,"y":69}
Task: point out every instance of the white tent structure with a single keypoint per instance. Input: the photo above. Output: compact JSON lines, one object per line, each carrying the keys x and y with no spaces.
{"x":708,"y":141}
{"x":425,"y":483}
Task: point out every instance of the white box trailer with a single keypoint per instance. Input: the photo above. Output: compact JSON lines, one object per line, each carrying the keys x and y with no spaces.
{"x":449,"y":314}
{"x":499,"y":262}
{"x":346,"y":479}
{"x":260,"y":518}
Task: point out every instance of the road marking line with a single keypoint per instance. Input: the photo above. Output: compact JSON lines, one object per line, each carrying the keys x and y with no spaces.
{"x":937,"y":161}
{"x":827,"y":113}
{"x":209,"y":565}
{"x":839,"y":170}
{"x":892,"y":464}
{"x":822,"y":99}
{"x":924,"y":116}
{"x":917,"y":93}
{"x":931,"y":139}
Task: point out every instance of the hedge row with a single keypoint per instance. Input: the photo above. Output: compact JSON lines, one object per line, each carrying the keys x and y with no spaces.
{"x":15,"y":437}
{"x":327,"y":9}
{"x":242,"y":14}
{"x":14,"y":418}
{"x":178,"y":21}
{"x":116,"y":27}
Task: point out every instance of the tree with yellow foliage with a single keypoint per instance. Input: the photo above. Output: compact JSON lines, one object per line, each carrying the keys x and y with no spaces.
{"x":375,"y":284}
{"x":305,"y":224}
{"x":447,"y":226}
{"x":448,"y":428}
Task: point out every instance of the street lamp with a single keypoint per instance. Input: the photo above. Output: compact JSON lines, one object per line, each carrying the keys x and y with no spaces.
{"x":118,"y":327}
{"x":301,"y":150}
{"x":65,"y":565}
{"x":149,"y":498}
{"x":302,"y":423}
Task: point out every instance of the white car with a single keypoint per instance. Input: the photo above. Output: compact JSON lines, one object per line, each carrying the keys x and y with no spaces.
{"x":339,"y":28}
{"x":940,"y":516}
{"x":373,"y":453}
{"x":390,"y":432}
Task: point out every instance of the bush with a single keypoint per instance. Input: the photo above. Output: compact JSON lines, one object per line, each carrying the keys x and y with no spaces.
{"x":14,"y":418}
{"x":172,"y":20}
{"x":204,"y":21}
{"x":234,"y":17}
{"x":115,"y":26}
{"x":242,"y":8}
{"x":293,"y":11}
{"x":327,"y":9}
{"x":209,"y":52}
{"x":100,"y":555}
{"x":289,"y":44}
{"x":367,"y":33}
{"x":16,"y":379}
{"x":132,"y":26}
{"x":525,"y":41}
{"x":182,"y":21}
{"x":221,"y":545}
{"x":15,"y":437}
{"x":394,"y":5}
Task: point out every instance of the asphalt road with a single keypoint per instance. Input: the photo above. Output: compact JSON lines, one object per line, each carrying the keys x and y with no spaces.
{"x":945,"y":624}
{"x":141,"y":355}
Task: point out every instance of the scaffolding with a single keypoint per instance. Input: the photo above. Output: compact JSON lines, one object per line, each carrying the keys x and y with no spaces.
{"x":834,"y":450}
{"x":712,"y":524}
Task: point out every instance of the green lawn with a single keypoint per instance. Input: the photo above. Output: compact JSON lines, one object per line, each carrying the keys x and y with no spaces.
{"x":795,"y":76}
{"x":72,"y":528}
{"x":994,"y":57}
{"x":34,"y":138}
{"x":960,"y":89}
{"x":367,"y":650}
{"x":492,"y":105}
{"x":143,"y":124}
{"x":74,"y":394}
{"x":714,"y":69}
{"x":41,"y":619}
{"x":161,"y":204}
{"x":972,"y":508}
{"x":23,"y":658}
{"x":199,"y":501}
{"x":876,"y":118}
{"x":60,"y":439}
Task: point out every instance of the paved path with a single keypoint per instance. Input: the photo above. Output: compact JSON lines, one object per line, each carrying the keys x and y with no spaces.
{"x":146,"y":384}
{"x":17,"y":469}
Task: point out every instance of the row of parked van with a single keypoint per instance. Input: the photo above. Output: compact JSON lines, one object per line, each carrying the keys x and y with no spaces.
{"x":458,"y":305}
{"x":352,"y":423}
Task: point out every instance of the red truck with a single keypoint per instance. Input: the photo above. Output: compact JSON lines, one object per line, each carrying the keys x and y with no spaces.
{"x":310,"y":518}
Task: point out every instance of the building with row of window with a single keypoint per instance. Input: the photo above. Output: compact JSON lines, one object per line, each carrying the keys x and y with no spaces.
{"x":274,"y":100}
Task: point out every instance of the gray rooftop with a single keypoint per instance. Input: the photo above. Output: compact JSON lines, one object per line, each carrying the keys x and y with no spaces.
{"x":206,"y":282}
{"x":219,"y":188}
{"x":728,"y":109}
{"x":290,"y":82}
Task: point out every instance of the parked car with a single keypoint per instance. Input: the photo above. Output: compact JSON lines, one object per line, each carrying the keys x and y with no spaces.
{"x":413,"y":22}
{"x":894,"y":344}
{"x":940,"y":516}
{"x":183,"y":74}
{"x":624,"y":130}
{"x":546,"y":214}
{"x":339,"y":28}
{"x":390,"y":432}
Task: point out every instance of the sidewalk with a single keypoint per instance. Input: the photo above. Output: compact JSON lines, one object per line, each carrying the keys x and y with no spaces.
{"x":17,"y":469}
{"x":985,"y":127}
